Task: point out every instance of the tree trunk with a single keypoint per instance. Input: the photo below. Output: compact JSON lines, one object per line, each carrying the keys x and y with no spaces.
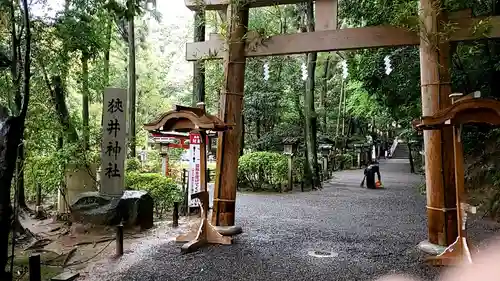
{"x":309,"y":112}
{"x":11,"y":131}
{"x":65,"y":61}
{"x":14,"y":70}
{"x":131,"y":76}
{"x":59,"y":101}
{"x":199,"y":66}
{"x":339,"y":115}
{"x":16,"y":83}
{"x":10,"y":137}
{"x":21,"y":193}
{"x":107,"y":50}
{"x":85,"y":100}
{"x":324,"y":93}
{"x":344,"y":107}
{"x":257,"y":130}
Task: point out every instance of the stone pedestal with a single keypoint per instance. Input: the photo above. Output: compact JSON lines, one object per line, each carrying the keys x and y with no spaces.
{"x":77,"y":180}
{"x":134,"y":208}
{"x":430,"y":248}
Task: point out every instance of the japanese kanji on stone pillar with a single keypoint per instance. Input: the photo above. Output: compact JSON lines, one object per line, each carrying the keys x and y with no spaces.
{"x":114,"y":147}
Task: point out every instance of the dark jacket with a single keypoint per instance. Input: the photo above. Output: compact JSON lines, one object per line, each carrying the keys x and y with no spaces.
{"x":370,"y":172}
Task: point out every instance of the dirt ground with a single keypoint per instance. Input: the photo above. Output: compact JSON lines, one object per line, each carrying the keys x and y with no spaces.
{"x":75,"y":248}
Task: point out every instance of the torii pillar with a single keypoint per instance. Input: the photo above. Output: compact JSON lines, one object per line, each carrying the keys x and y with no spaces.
{"x":231,"y":106}
{"x":439,"y":165}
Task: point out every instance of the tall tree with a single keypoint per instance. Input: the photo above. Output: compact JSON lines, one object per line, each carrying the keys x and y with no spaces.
{"x":324,"y":92}
{"x":131,"y":75}
{"x":309,"y":110}
{"x":11,"y":132}
{"x":107,"y":49}
{"x":199,"y":66}
{"x":85,"y":99}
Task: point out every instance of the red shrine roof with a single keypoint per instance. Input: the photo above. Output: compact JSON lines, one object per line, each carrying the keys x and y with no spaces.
{"x":186,"y":119}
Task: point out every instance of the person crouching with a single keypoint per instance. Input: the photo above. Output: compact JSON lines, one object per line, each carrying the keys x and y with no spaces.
{"x":369,"y":175}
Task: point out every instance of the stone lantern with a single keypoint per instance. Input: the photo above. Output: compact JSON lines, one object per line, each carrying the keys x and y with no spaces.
{"x":325,"y":152}
{"x":289,"y":149}
{"x":358,"y":148}
{"x":290,"y":146}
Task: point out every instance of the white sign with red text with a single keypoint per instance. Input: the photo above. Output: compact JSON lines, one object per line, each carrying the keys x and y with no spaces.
{"x":194,"y":169}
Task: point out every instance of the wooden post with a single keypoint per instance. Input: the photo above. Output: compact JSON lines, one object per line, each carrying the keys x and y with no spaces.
{"x":38,"y":194}
{"x":459,"y":159}
{"x":230,"y":113}
{"x":410,"y":156}
{"x":34,"y":268}
{"x":430,"y":71}
{"x":290,"y":172}
{"x":119,"y":240}
{"x":325,"y":168}
{"x":38,"y":208}
{"x":185,"y":201}
{"x":448,"y":164}
{"x":175,"y":215}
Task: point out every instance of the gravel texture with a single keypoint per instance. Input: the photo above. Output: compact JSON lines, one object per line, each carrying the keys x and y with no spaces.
{"x":342,"y":232}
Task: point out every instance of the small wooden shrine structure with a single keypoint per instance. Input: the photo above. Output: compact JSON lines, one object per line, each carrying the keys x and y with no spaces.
{"x":467,"y":110}
{"x":192,"y":119}
{"x":166,"y":141}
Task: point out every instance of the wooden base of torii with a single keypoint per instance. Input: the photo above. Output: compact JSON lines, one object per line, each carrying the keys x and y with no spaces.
{"x":205,"y":233}
{"x":189,"y":119}
{"x":467,"y":110}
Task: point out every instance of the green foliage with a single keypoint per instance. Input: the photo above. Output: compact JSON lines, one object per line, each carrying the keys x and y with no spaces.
{"x":174,"y":154}
{"x":132,"y":165}
{"x":153,"y":163}
{"x":262,"y":170}
{"x":57,"y":48}
{"x":47,"y":170}
{"x":344,"y":160}
{"x":163,"y":190}
{"x":82,"y":31}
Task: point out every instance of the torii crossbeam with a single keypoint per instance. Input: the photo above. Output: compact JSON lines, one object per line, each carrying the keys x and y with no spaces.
{"x":338,"y":40}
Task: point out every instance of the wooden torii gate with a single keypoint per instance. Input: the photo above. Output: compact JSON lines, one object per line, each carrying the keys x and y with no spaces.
{"x":435,"y":87}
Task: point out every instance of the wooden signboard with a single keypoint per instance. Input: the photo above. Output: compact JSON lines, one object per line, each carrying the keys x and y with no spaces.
{"x":194,"y":169}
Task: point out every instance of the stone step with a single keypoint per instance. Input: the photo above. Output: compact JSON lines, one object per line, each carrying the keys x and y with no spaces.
{"x":401,"y":151}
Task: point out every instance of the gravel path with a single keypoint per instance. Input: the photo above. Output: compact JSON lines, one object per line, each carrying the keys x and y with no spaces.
{"x":367,"y":232}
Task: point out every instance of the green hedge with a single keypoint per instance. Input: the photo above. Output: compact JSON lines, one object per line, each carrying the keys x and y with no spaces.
{"x":345,"y":160}
{"x":163,"y":190}
{"x":262,"y":170}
